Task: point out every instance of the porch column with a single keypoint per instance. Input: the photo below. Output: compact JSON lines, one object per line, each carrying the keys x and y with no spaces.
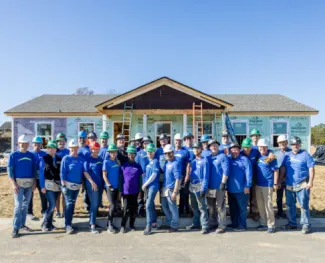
{"x":13,"y":147}
{"x":144,"y":129}
{"x":184,"y":123}
{"x":104,"y":122}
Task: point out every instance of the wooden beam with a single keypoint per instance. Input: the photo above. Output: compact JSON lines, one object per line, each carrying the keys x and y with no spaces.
{"x":160,"y":112}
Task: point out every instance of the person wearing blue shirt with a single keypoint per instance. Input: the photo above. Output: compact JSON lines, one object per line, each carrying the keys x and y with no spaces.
{"x":104,"y":144}
{"x":266,"y":181}
{"x":238,"y":186}
{"x":204,"y":140}
{"x":188,"y":141}
{"x":216,"y":197}
{"x":298,"y":166}
{"x":255,"y":136}
{"x":183,"y":156}
{"x":151,"y":187}
{"x":280,"y":154}
{"x":72,"y":171}
{"x":224,"y":143}
{"x":93,"y":171}
{"x":199,"y":181}
{"x":22,"y":173}
{"x":111,"y":175}
{"x":170,"y":190}
{"x":39,"y":154}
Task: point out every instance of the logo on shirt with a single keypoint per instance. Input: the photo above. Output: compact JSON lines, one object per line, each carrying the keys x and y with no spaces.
{"x":25,"y":159}
{"x":294,"y":160}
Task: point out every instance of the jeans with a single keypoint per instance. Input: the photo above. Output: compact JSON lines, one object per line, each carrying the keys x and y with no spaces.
{"x":279,"y":200}
{"x":141,"y":205}
{"x":238,"y":209}
{"x":112,"y":196}
{"x":184,"y":199}
{"x":303,"y":200}
{"x":94,"y":197}
{"x":130,"y":206}
{"x":42,"y":197}
{"x":21,"y":204}
{"x":170,"y":209}
{"x":199,"y":206}
{"x":70,"y":201}
{"x":150,"y":206}
{"x":217,"y":210}
{"x":48,"y":215}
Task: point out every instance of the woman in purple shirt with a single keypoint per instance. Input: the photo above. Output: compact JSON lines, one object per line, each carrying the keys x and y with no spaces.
{"x":131,"y":181}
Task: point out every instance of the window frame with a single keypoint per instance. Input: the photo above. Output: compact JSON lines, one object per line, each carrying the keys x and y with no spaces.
{"x":49,"y":137}
{"x":171,"y":131}
{"x":247,"y":128}
{"x":272,"y":134}
{"x":197,"y":129}
{"x":87,"y":122}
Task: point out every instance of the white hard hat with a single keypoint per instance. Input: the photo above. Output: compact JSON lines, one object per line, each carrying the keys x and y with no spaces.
{"x":178,"y":136}
{"x":23,"y":139}
{"x":168,"y":148}
{"x":138,"y":136}
{"x":72,"y":143}
{"x":262,"y":142}
{"x":282,"y":138}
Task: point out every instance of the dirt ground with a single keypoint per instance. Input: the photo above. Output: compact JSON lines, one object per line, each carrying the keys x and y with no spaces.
{"x":317,"y":203}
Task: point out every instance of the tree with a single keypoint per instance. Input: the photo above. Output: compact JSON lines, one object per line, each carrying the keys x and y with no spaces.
{"x":84,"y":91}
{"x":318,"y":134}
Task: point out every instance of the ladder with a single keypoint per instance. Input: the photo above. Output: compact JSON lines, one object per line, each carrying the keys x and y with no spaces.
{"x":127,"y":121}
{"x":197,"y":119}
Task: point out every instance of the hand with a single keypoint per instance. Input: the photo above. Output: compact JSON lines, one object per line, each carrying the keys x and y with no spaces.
{"x":43,"y":190}
{"x":144,"y":188}
{"x":246,"y":191}
{"x":94,"y":186}
{"x":15,"y":187}
{"x":202,"y":194}
{"x":222,"y":187}
{"x":309,"y":185}
{"x":34,"y":185}
{"x":174,"y":195}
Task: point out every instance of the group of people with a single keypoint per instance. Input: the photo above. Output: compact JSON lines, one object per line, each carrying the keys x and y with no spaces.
{"x":204,"y":172}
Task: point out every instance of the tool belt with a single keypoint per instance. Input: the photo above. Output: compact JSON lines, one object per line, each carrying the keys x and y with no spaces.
{"x":298,"y":187}
{"x":194,"y":188}
{"x":52,"y":185}
{"x":212,"y":193}
{"x":25,"y":182}
{"x":73,"y":186}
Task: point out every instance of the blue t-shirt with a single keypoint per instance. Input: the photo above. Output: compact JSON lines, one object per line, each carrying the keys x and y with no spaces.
{"x":160,"y":156}
{"x":280,"y":156}
{"x":113,"y":172}
{"x":152,"y":168}
{"x":94,"y":166}
{"x":84,"y":152}
{"x":200,"y":172}
{"x":23,"y":165}
{"x":206,"y":153}
{"x":142,"y":159}
{"x":240,"y":174}
{"x":297,"y":167}
{"x":172,"y":172}
{"x":190,"y":150}
{"x":253,"y":158}
{"x":265,"y":172}
{"x":38,"y":156}
{"x":219,"y":166}
{"x":62,"y":152}
{"x":183,"y":156}
{"x":102,"y":152}
{"x":72,"y":169}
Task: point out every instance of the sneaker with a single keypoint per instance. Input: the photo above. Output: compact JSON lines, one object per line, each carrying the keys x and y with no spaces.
{"x":271,"y":230}
{"x":14,"y":233}
{"x":45,"y":229}
{"x":32,"y":217}
{"x":58,"y":215}
{"x":261,"y":228}
{"x":220,"y":231}
{"x":305,"y":231}
{"x":147,"y":231}
{"x":204,"y":231}
{"x":97,"y":226}
{"x":154,"y":226}
{"x":289,"y":227}
{"x":94,"y":230}
{"x":111,"y":229}
{"x":172,"y":230}
{"x":281,"y":215}
{"x":192,"y":227}
{"x":26,"y":229}
{"x":123,"y":230}
{"x":131,"y":228}
{"x":69,"y":230}
{"x":239,"y":229}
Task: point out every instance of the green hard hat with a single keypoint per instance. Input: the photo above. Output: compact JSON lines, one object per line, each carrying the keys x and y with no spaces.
{"x":61,"y":137}
{"x":255,"y":132}
{"x":131,"y":149}
{"x":151,"y":148}
{"x":51,"y":144}
{"x":247,"y":143}
{"x":104,"y":135}
{"x":112,"y":148}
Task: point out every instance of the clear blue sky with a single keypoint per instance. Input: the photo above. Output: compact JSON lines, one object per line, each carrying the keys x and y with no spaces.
{"x":54,"y":47}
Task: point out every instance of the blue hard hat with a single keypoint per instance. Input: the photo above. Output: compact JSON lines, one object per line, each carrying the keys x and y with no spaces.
{"x":187,"y":134}
{"x":37,"y":139}
{"x":205,"y":138}
{"x":82,"y":134}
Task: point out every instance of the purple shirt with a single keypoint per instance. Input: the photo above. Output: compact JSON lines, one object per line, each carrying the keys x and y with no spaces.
{"x":131,"y":179}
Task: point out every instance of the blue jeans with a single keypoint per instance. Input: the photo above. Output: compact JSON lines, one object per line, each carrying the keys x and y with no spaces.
{"x":171,"y":211}
{"x":48,"y":215}
{"x":199,"y":206}
{"x":238,"y":209}
{"x":22,"y":200}
{"x":94,"y":198}
{"x":303,"y":200}
{"x":150,"y":206}
{"x":70,"y":201}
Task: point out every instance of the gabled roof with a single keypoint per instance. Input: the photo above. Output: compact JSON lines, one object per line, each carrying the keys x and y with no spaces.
{"x":6,"y":126}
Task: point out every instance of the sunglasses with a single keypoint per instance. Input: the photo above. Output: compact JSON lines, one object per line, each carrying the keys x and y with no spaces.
{"x":170,"y":153}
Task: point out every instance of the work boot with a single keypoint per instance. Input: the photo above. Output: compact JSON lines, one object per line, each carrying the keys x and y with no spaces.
{"x":14,"y":233}
{"x":111,"y":229}
{"x":123,"y":230}
{"x":220,"y":231}
{"x":204,"y":231}
{"x":147,"y":231}
{"x":289,"y":227}
{"x":69,"y":230}
{"x":192,"y":227}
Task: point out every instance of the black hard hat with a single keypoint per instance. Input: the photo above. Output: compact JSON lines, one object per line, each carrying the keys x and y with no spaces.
{"x":295,"y":140}
{"x":163,"y":136}
{"x":120,"y":136}
{"x":197,"y":145}
{"x":212,"y":141}
{"x":233,"y":145}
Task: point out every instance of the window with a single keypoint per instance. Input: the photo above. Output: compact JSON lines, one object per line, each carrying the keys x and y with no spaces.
{"x":86,"y":126}
{"x":240,"y":130}
{"x":44,"y":130}
{"x":278,"y":128}
{"x":207,"y":129}
{"x":163,"y":127}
